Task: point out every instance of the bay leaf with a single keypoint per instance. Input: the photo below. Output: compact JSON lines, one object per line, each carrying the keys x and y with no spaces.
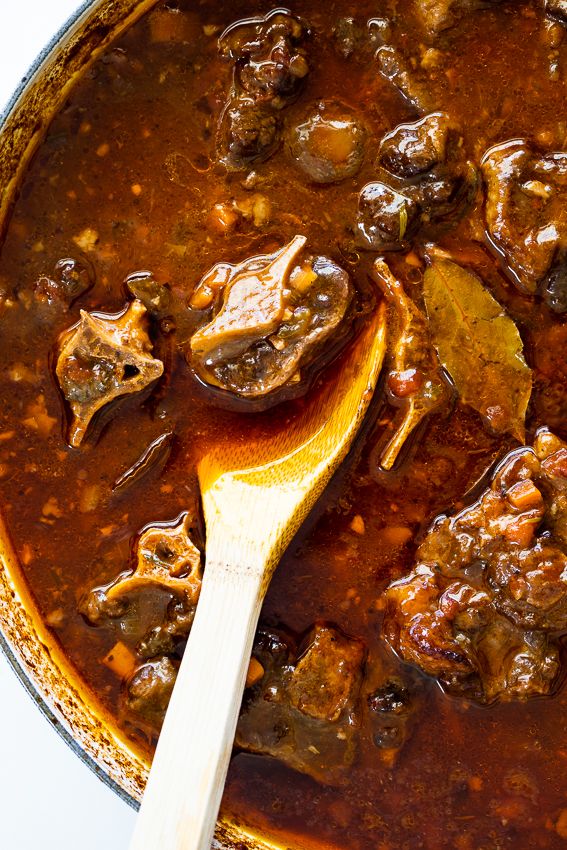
{"x":479,"y":345}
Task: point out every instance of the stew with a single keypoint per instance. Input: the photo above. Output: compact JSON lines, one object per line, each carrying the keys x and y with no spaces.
{"x":225,"y":197}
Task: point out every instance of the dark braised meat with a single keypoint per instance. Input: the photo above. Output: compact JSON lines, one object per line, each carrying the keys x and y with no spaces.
{"x":526,"y":216}
{"x":101,"y":359}
{"x":303,"y":710}
{"x":147,"y":693}
{"x":269,"y":68}
{"x":271,"y":316}
{"x":482,"y":608}
{"x":328,"y":145}
{"x":423,"y":180}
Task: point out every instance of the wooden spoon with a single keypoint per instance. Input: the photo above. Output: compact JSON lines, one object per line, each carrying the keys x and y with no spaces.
{"x":255,"y":497}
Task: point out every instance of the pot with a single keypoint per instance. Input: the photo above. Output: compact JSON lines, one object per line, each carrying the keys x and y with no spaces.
{"x":32,"y":651}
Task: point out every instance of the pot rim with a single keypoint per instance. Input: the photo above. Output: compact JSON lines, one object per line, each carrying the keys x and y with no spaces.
{"x":23,"y":675}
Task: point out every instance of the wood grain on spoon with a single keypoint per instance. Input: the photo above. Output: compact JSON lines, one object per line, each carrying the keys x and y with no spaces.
{"x":255,"y":498}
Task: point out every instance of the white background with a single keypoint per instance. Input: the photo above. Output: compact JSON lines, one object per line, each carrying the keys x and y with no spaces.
{"x":49,"y":800}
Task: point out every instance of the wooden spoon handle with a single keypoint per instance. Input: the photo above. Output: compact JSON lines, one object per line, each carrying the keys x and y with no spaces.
{"x":184,"y":790}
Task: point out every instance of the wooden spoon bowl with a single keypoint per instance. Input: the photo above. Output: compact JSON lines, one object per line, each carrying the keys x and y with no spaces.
{"x":255,"y":497}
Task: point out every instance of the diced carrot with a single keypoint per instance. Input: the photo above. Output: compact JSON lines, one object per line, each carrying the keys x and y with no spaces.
{"x":302,"y":278}
{"x":396,"y":535}
{"x":223,"y":218}
{"x":561,"y":824}
{"x":475,"y":783}
{"x":120,"y":660}
{"x":521,"y":530}
{"x":255,"y":672}
{"x":357,"y":524}
{"x":524,"y":495}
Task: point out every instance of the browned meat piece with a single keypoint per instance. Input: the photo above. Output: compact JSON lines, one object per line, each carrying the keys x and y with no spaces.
{"x":481,"y":609}
{"x":269,"y":68}
{"x":250,"y":133}
{"x":327,"y":676}
{"x":414,"y":149}
{"x":424,"y":181}
{"x":271,"y":315}
{"x":304,"y":712}
{"x":328,"y":145}
{"x":557,"y":9}
{"x":415,"y":380}
{"x":148,"y":691}
{"x":101,"y":359}
{"x":526,"y":216}
{"x":269,"y":55}
{"x":386,"y":219}
{"x":70,"y":279}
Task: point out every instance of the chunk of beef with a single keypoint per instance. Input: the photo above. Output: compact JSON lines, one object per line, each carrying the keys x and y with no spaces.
{"x":250,"y":133}
{"x":101,"y":359}
{"x":415,"y":380}
{"x":304,"y":710}
{"x":271,"y":316}
{"x":269,"y":55}
{"x":423,"y":181}
{"x":489,"y":593}
{"x":526,"y":215}
{"x":557,"y":10}
{"x":149,"y":690}
{"x":269,"y":64}
{"x":386,"y":218}
{"x":328,"y":145}
{"x":327,"y":675}
{"x":415,"y":149}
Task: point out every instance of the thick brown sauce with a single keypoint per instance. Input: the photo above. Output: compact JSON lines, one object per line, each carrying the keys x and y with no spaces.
{"x":144,"y":117}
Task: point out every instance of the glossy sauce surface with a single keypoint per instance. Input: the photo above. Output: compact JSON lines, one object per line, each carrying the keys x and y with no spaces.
{"x":131,"y":157}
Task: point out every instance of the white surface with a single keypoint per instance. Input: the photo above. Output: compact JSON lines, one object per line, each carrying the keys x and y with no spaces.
{"x":49,"y":800}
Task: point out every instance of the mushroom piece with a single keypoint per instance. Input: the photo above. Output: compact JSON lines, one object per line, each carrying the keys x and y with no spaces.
{"x":102,"y":358}
{"x":271,"y":315}
{"x":328,"y":145}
